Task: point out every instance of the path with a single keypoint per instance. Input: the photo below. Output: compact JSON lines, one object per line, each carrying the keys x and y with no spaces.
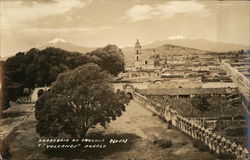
{"x":141,"y":122}
{"x":16,"y":115}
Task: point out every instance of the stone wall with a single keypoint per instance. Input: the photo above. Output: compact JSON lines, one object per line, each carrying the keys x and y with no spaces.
{"x":215,"y":142}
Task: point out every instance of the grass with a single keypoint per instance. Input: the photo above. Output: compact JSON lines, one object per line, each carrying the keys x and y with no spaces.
{"x":163,"y":143}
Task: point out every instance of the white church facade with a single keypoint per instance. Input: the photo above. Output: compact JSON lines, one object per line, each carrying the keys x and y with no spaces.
{"x":145,"y":68}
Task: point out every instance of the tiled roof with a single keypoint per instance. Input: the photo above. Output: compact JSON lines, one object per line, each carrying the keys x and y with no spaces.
{"x":184,"y":91}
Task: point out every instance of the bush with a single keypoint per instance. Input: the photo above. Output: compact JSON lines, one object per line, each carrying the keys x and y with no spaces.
{"x":184,"y":143}
{"x":235,"y":132}
{"x":6,"y":152}
{"x":226,"y":156}
{"x":162,"y":118}
{"x":169,"y":124}
{"x":154,"y":114}
{"x":200,"y":146}
{"x":163,"y":143}
{"x":200,"y":103}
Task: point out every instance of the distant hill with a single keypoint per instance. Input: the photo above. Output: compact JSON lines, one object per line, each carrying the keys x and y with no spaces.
{"x":200,"y":44}
{"x":61,"y":43}
{"x":169,"y":49}
{"x":163,"y":51}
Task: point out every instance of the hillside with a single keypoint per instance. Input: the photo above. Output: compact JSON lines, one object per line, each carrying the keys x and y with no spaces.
{"x":201,"y":44}
{"x":163,"y":50}
{"x":168,"y":49}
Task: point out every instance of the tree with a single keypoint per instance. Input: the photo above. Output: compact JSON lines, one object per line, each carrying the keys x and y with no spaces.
{"x":109,"y":58}
{"x":78,"y":99}
{"x":200,"y":102}
{"x":41,"y":67}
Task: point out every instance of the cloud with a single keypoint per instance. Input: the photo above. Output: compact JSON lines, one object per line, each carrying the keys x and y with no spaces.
{"x":61,"y":30}
{"x":15,"y":14}
{"x":139,"y":12}
{"x":166,"y":10}
{"x":176,"y":37}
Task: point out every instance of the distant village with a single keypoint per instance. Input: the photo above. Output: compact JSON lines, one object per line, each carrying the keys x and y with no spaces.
{"x":187,"y":73}
{"x":176,"y":79}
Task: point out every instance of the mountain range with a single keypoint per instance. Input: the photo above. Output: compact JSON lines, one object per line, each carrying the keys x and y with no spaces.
{"x":201,"y":44}
{"x":163,"y":47}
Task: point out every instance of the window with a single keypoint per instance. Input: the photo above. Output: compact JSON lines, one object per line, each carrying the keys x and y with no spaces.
{"x":146,"y":62}
{"x":137,"y":58}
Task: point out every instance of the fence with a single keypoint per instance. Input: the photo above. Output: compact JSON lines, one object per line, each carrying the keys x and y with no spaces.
{"x":215,"y":142}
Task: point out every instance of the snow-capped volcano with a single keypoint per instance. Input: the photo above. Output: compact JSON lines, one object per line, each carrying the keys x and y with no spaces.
{"x":63,"y":44}
{"x":56,"y":40}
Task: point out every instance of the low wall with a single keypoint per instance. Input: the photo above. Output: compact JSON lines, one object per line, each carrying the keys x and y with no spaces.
{"x":218,"y":123}
{"x":215,"y":142}
{"x":242,"y":81}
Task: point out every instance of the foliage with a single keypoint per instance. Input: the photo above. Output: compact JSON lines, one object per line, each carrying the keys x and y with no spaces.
{"x":78,"y":100}
{"x":226,"y":156}
{"x":200,"y":102}
{"x":6,"y":151}
{"x":161,"y":117}
{"x":41,"y":67}
{"x":110,"y":58}
{"x":154,"y":114}
{"x":163,"y":143}
{"x":184,"y":143}
{"x":199,"y":145}
{"x":218,"y":107}
{"x":40,"y":92}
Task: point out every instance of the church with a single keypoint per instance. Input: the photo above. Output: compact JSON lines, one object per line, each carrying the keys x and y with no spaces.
{"x":147,"y":67}
{"x":142,"y":62}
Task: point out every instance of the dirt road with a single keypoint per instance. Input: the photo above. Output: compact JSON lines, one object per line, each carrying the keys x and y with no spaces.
{"x":139,"y":121}
{"x":137,"y":125}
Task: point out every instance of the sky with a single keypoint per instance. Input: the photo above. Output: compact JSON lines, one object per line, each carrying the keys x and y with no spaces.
{"x":32,"y":23}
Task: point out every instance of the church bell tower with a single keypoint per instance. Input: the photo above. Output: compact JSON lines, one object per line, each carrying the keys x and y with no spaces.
{"x":138,"y":58}
{"x":137,"y":51}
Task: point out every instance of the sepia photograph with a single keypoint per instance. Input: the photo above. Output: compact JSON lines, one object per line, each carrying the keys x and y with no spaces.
{"x":124,"y":80}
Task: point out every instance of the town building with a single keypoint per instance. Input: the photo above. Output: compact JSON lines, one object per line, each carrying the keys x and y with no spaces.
{"x":146,"y":67}
{"x":142,"y":62}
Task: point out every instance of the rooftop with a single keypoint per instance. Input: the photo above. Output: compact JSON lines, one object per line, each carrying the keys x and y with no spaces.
{"x":184,"y":91}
